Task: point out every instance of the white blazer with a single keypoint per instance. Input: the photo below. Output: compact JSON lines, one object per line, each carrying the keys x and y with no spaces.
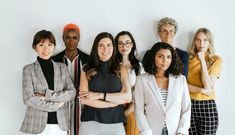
{"x":150,"y":111}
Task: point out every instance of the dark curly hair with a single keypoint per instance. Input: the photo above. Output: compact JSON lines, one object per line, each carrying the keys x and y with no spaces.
{"x":176,"y":66}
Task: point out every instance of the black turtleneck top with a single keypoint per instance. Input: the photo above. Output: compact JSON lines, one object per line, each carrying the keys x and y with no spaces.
{"x":104,"y":81}
{"x":48,"y":72}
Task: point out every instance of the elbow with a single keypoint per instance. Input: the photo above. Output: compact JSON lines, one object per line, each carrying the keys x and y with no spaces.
{"x":208,"y":86}
{"x":127,"y":101}
{"x":128,"y":98}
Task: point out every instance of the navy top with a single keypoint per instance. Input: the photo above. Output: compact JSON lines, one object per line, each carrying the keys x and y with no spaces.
{"x":183,"y":55}
{"x":184,"y":58}
{"x":104,"y":81}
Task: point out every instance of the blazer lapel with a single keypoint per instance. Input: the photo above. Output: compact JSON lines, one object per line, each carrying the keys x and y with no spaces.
{"x":171,"y":92}
{"x":40,"y":74}
{"x":156,"y":92}
{"x":56,"y":75}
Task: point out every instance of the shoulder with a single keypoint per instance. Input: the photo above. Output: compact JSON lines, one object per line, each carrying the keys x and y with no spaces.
{"x":59,"y":57}
{"x":217,"y":58}
{"x":141,"y":68}
{"x":181,"y":52}
{"x":177,"y":77}
{"x":144,"y":77}
{"x":60,"y":65}
{"x":28,"y":66}
{"x":83,"y":54}
{"x":84,"y":57}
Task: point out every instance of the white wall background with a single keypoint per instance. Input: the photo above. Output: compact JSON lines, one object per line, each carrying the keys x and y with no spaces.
{"x":21,"y":19}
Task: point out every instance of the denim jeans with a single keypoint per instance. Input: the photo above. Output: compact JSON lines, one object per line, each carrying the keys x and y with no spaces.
{"x":164,"y":131}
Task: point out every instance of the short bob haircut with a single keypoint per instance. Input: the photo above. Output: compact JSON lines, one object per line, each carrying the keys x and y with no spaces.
{"x":133,"y":60}
{"x":43,"y":35}
{"x":175,"y":67}
{"x":165,"y":21}
{"x":94,"y":61}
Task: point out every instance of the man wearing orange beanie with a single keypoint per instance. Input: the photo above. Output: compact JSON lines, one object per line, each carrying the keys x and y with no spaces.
{"x":74,"y":59}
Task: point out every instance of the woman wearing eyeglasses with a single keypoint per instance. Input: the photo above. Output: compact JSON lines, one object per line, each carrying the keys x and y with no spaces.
{"x":126,"y":47}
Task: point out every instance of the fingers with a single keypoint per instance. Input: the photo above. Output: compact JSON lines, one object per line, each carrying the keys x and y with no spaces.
{"x":83,"y":95}
{"x":39,"y":94}
{"x":123,"y":89}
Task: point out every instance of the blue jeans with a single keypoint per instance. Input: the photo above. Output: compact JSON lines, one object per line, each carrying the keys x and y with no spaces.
{"x":164,"y":131}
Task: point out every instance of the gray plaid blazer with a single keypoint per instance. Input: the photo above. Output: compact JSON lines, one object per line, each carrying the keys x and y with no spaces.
{"x":37,"y":108}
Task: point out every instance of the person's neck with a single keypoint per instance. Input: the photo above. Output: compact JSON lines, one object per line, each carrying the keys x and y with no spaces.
{"x":71,"y":54}
{"x":126,"y":61}
{"x":160,"y":74}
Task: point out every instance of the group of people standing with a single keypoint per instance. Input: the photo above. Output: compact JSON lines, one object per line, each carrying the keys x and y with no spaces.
{"x":110,"y":92}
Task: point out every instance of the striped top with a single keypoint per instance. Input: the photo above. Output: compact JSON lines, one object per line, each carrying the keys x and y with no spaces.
{"x":164,"y":94}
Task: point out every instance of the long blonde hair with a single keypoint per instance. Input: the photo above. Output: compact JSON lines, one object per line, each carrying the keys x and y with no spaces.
{"x":211,"y":50}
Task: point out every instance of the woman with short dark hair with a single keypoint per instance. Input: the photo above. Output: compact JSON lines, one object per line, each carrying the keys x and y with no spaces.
{"x":47,"y":89}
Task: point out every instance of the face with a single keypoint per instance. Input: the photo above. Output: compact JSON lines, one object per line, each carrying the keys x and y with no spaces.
{"x":71,"y":39}
{"x":167,"y":33}
{"x":105,"y":49}
{"x":201,"y":42}
{"x":163,"y":59}
{"x":45,"y":49}
{"x":124,"y":45}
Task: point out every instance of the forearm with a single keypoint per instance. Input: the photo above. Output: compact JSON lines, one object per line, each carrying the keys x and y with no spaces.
{"x":61,"y":96}
{"x":41,"y":104}
{"x":194,"y":88}
{"x":118,"y":98}
{"x":205,"y":77}
{"x":98,"y":103}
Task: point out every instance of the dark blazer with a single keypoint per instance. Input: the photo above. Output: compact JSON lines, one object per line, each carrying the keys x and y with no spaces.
{"x":37,"y":108}
{"x":82,"y":56}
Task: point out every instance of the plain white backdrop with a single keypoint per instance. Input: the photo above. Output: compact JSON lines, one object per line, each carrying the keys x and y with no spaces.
{"x":21,"y":19}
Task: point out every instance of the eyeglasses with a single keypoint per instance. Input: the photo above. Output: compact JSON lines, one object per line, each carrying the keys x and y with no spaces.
{"x":127,"y":44}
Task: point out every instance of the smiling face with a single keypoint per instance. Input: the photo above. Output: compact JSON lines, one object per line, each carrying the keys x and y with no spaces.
{"x":44,"y":49}
{"x":105,"y":49}
{"x":202,"y":42}
{"x":163,"y":59}
{"x":124,"y":45}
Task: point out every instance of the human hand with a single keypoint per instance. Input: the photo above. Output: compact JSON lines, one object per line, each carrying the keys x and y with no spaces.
{"x":207,"y":92}
{"x":61,"y":104}
{"x":89,"y":95}
{"x":123,"y":90}
{"x":200,"y":55}
{"x":41,"y":96}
